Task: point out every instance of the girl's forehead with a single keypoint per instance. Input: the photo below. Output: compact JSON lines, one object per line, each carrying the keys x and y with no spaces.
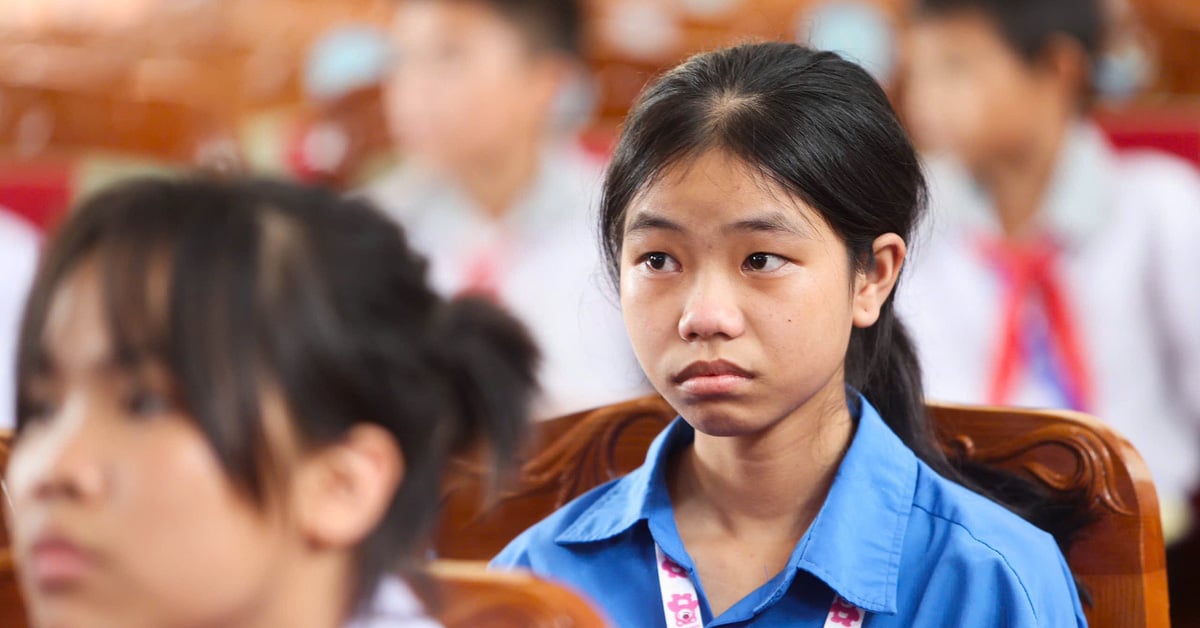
{"x":103,"y":316}
{"x":718,"y":190}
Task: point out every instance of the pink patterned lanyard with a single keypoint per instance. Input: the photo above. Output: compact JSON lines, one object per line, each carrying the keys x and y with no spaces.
{"x":681,"y":605}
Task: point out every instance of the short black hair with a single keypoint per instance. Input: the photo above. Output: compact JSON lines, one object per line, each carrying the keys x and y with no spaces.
{"x":289,"y":288}
{"x":554,"y":25}
{"x":1027,"y":26}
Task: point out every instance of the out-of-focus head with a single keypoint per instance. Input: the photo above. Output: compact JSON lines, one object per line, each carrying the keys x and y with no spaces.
{"x":472,"y":77}
{"x":229,"y":391}
{"x":986,"y":75}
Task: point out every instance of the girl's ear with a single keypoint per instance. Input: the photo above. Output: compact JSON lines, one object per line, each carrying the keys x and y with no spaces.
{"x":873,"y":285}
{"x":342,"y":491}
{"x":1065,"y":63}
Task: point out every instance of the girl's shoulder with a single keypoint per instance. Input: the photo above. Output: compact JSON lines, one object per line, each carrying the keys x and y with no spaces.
{"x":960,"y":540}
{"x":961,"y":508}
{"x":1157,"y":187}
{"x":601,"y":514}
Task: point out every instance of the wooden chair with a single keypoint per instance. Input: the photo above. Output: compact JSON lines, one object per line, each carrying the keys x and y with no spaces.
{"x":1119,"y":557}
{"x":12,"y":612}
{"x":470,"y":596}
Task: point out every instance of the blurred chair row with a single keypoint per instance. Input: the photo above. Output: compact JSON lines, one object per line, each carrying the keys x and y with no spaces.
{"x":187,"y":78}
{"x":1119,"y":559}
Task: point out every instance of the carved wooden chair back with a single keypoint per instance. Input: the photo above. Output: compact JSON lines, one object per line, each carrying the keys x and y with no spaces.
{"x":1119,"y":557}
{"x":470,"y":596}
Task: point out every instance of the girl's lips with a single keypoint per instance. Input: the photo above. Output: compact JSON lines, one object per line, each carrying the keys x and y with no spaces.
{"x":713,"y":385}
{"x":56,"y":563}
{"x":713,"y":378}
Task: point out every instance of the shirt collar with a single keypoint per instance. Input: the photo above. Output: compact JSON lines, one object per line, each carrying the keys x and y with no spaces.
{"x":875,"y":483}
{"x":1077,"y":201}
{"x":636,"y":497}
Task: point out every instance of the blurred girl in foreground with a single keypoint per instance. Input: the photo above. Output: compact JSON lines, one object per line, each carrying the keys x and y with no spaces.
{"x":235,"y":400}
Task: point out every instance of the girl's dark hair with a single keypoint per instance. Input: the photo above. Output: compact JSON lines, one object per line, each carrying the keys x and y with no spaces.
{"x":822,"y":129}
{"x":1028,"y":26}
{"x":240,"y":287}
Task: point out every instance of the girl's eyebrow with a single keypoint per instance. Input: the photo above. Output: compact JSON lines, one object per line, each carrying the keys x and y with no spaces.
{"x":649,"y":221}
{"x":769,"y":223}
{"x":773,"y":222}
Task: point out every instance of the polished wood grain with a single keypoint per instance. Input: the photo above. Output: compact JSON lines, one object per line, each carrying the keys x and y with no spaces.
{"x":162,"y":80}
{"x":12,"y":612}
{"x":1119,"y":558}
{"x":470,"y":596}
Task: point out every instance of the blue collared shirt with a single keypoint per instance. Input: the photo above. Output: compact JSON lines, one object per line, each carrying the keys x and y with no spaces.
{"x":893,"y":538}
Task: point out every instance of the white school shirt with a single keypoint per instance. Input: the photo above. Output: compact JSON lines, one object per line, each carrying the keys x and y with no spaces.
{"x":547,"y":270}
{"x":19,"y":246}
{"x":1129,"y":225}
{"x":393,"y":605}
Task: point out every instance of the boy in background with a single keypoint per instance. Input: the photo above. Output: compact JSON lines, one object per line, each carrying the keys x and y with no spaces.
{"x":495,"y":190}
{"x":1055,"y":272}
{"x":20,"y":244}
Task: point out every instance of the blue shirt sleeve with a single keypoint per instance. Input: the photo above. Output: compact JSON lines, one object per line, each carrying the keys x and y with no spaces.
{"x":1018,"y":580}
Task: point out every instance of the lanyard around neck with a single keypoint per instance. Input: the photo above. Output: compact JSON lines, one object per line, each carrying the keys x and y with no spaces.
{"x":681,"y":604}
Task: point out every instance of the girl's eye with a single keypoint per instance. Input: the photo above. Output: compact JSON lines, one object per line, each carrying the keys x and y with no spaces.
{"x":763,"y":263}
{"x":660,"y":262}
{"x":35,"y":409}
{"x":37,"y":402}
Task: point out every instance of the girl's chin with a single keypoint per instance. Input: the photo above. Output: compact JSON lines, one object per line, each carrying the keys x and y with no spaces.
{"x":722,"y":419}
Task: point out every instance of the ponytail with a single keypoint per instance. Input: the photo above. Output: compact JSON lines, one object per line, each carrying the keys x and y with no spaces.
{"x":470,"y":383}
{"x":882,"y":364}
{"x":489,"y":363}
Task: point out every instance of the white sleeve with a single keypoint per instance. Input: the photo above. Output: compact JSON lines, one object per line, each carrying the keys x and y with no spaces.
{"x":19,"y":244}
{"x":1176,"y":266}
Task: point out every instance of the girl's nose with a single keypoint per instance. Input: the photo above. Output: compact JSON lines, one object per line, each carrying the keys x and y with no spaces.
{"x":712,"y":310}
{"x":59,"y":460}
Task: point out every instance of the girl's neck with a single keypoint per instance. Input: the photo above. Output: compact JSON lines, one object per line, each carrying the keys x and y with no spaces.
{"x":1018,"y":184}
{"x":773,"y":482}
{"x":303,"y":596}
{"x":498,"y":182}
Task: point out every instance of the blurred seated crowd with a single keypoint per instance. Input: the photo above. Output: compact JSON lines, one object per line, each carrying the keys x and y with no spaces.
{"x":454,"y":257}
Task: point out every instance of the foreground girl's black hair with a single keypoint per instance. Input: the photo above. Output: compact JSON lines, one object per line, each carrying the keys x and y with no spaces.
{"x":822,"y":129}
{"x":238,"y":287}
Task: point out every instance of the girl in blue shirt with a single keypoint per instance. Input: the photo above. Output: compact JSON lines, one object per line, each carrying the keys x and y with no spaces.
{"x":756,"y":217}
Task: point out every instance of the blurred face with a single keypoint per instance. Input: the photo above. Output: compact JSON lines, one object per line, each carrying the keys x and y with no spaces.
{"x":466,"y":83}
{"x":121,"y":514}
{"x":969,"y":94}
{"x":737,"y":297}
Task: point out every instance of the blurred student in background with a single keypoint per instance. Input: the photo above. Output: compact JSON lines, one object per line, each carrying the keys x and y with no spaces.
{"x":235,"y":402}
{"x":1056,"y":272}
{"x":19,"y":243}
{"x":495,"y":189}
